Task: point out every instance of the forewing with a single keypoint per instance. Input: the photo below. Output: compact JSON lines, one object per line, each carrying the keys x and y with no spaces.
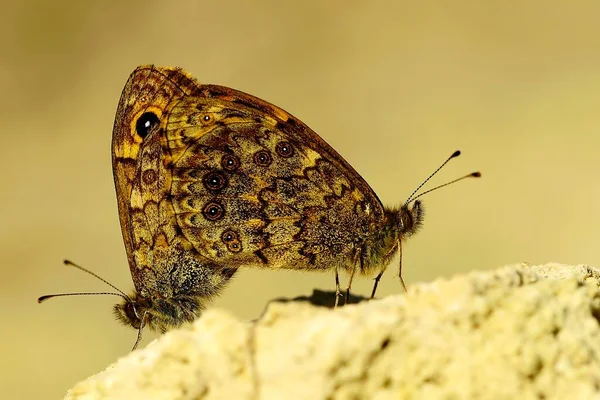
{"x":140,"y":178}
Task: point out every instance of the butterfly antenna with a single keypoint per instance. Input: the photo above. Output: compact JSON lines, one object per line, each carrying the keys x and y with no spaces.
{"x":49,"y":296}
{"x":454,"y":155}
{"x":72,"y":264}
{"x":471,"y":175}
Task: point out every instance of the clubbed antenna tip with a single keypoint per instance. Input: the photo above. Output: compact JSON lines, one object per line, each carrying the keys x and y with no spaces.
{"x":72,"y":264}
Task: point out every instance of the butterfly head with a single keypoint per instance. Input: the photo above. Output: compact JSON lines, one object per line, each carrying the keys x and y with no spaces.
{"x":133,"y":311}
{"x":400,"y":223}
{"x":403,"y":222}
{"x":141,"y":312}
{"x":409,"y":219}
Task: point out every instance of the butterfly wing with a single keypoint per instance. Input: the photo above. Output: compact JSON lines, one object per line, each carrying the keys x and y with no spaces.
{"x":254,"y":186}
{"x":162,"y":262}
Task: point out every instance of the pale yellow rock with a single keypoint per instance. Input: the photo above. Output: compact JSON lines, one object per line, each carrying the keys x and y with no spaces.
{"x":526,"y":332}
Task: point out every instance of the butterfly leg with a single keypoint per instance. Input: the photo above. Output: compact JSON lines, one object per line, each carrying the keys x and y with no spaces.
{"x":350,"y":284}
{"x":357,"y":259}
{"x":400,"y":265}
{"x":338,"y":292}
{"x":140,"y":329}
{"x":377,"y":278}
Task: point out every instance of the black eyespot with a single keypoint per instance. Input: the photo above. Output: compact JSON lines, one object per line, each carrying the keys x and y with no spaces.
{"x":149,"y":176}
{"x":214,"y":181}
{"x":229,"y":236}
{"x":262,"y":158}
{"x":206,"y":118}
{"x":213,"y":211}
{"x":232,"y":240}
{"x":230,"y":162}
{"x":284,"y":149}
{"x":145,"y":123}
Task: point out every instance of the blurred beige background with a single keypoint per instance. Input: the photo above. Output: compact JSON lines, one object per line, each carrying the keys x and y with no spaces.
{"x":394,"y":86}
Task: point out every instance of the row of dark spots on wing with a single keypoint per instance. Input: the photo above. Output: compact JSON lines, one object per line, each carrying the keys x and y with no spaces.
{"x":217,"y":180}
{"x":283,"y":149}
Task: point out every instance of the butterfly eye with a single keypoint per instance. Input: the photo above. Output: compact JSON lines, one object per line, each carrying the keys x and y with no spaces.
{"x":214,"y":181}
{"x":213,"y":211}
{"x":230,"y":162}
{"x":262,"y":158}
{"x":145,"y":123}
{"x":132,"y":314}
{"x":284,"y":149}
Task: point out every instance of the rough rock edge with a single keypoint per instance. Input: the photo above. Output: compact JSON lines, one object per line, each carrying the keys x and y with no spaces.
{"x":515,"y":332}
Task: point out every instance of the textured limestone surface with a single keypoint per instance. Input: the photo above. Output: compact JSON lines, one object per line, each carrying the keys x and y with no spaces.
{"x":527,"y":332}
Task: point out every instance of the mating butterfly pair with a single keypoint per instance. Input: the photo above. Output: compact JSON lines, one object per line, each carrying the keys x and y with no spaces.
{"x":210,"y":179}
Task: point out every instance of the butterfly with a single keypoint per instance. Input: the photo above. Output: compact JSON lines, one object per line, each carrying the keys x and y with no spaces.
{"x":210,"y":179}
